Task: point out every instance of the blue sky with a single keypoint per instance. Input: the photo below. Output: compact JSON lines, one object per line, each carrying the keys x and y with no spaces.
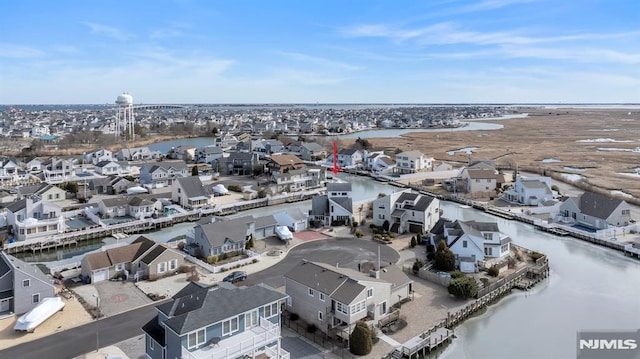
{"x":440,"y":51}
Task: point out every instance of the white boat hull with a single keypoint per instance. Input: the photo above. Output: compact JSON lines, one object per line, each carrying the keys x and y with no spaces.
{"x":38,"y":315}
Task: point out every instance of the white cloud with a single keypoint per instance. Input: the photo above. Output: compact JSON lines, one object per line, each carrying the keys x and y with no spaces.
{"x":13,"y":51}
{"x":318,"y":61}
{"x":108,"y":31}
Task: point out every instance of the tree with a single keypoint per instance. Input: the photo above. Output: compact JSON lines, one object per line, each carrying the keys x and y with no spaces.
{"x":250,"y":244}
{"x":360,"y":342}
{"x":413,"y":242}
{"x":463,"y":287}
{"x":363,"y":143}
{"x":445,"y":259}
{"x":194,"y":170}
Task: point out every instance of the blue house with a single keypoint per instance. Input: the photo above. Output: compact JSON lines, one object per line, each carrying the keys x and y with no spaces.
{"x":220,"y":321}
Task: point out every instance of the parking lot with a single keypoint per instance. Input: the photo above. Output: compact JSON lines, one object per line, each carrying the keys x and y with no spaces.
{"x":114,"y":297}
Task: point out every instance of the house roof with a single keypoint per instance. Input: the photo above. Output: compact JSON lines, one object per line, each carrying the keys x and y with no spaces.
{"x":481,"y":173}
{"x":265,"y":221}
{"x":284,"y":160}
{"x":214,"y":304}
{"x":598,"y":205}
{"x":105,"y":163}
{"x":4,"y":266}
{"x":155,"y":331}
{"x":411,"y":154}
{"x":344,"y":202}
{"x":532,"y":184}
{"x":339,"y":187}
{"x":139,"y":201}
{"x":319,"y":205}
{"x":28,"y":268}
{"x":317,"y":277}
{"x":123,"y":254}
{"x":348,"y":151}
{"x":348,"y":291}
{"x":423,"y":203}
{"x":192,"y":187}
{"x":17,"y":205}
{"x":231,"y":229}
{"x":153,"y":254}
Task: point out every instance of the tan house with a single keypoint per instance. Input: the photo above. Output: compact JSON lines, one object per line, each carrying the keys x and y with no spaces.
{"x":143,"y":258}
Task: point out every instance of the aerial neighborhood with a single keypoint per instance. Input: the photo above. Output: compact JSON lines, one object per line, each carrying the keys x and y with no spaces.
{"x":353,"y":245}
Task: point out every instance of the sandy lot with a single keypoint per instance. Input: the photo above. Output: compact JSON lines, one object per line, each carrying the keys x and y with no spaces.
{"x":594,"y":143}
{"x":71,"y":316}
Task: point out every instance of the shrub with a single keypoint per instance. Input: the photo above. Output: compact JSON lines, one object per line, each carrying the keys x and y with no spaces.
{"x":363,"y":222}
{"x":417,"y":265}
{"x":445,"y":259}
{"x":419,"y":238}
{"x":413,"y":242}
{"x":212,"y":259}
{"x":250,"y":244}
{"x":223,"y":256}
{"x":485,"y":281}
{"x":493,"y":271}
{"x":464,"y":287}
{"x":431,"y":256}
{"x":235,"y":187}
{"x":359,"y":233}
{"x":431,"y":248}
{"x":360,"y":340}
{"x":193,"y":277}
{"x":386,"y":225}
{"x":377,"y":236}
{"x":457,"y":274}
{"x":262,"y":193}
{"x":181,"y":246}
{"x":186,"y":269}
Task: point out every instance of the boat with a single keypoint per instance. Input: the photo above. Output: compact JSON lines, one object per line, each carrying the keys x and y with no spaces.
{"x":284,"y":233}
{"x":38,"y":315}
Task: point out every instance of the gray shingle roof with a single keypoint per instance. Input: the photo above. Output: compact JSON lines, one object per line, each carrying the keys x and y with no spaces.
{"x":339,"y":187}
{"x":344,"y":202}
{"x":598,"y":205}
{"x":265,"y":221}
{"x":319,"y":205}
{"x":192,"y":186}
{"x":214,"y":304}
{"x":220,"y":231}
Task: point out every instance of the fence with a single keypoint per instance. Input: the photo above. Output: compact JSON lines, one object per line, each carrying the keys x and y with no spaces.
{"x":337,"y":347}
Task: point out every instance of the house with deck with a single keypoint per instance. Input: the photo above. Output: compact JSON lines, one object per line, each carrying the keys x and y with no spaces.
{"x":135,"y":207}
{"x":108,"y":168}
{"x":406,"y":212}
{"x":97,"y":156}
{"x":22,"y":286}
{"x":473,"y":243}
{"x":221,"y":321}
{"x":595,"y":211}
{"x":189,"y":193}
{"x":31,"y":217}
{"x":348,"y":157}
{"x":163,"y":173}
{"x":529,"y":191}
{"x":47,"y":192}
{"x":335,"y":207}
{"x":413,"y":162}
{"x":220,"y":236}
{"x":334,"y":299}
{"x":57,"y":170}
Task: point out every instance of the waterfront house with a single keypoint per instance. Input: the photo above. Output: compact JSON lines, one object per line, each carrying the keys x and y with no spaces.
{"x":22,"y":286}
{"x":412,"y":162}
{"x":142,"y":259}
{"x":8,"y":169}
{"x":163,"y":173}
{"x":406,"y":211}
{"x":335,"y":299}
{"x":221,"y":236}
{"x":221,"y":321}
{"x":33,"y":165}
{"x":595,"y":211}
{"x":110,"y":185}
{"x":529,"y":191}
{"x":189,"y":193}
{"x":134,"y":207}
{"x":108,"y":168}
{"x":297,"y":179}
{"x":308,"y":151}
{"x":479,"y":182}
{"x":184,"y":152}
{"x":284,"y":163}
{"x":268,"y":146}
{"x":31,"y":217}
{"x":294,"y":218}
{"x":348,"y":157}
{"x":137,"y":154}
{"x":334,"y":208}
{"x":473,"y":243}
{"x":97,"y":156}
{"x":57,"y":170}
{"x":47,"y":192}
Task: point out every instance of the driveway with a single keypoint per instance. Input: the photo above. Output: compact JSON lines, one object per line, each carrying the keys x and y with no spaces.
{"x":117,"y":297}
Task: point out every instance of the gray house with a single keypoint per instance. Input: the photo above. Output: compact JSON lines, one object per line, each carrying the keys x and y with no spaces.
{"x":22,"y":286}
{"x":335,"y":298}
{"x":222,"y":321}
{"x":595,"y":211}
{"x":221,"y":236}
{"x":162,"y":174}
{"x":334,"y":208}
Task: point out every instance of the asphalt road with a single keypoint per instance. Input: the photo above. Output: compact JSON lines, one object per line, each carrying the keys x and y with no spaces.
{"x":77,"y":341}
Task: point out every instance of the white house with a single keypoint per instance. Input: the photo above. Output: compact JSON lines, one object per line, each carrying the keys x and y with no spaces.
{"x":529,"y":191}
{"x":412,"y":162}
{"x":31,"y":217}
{"x":595,"y":211}
{"x":334,"y":207}
{"x":293,"y":218}
{"x":108,"y":168}
{"x":405,"y":211}
{"x":348,"y":157}
{"x":473,"y":242}
{"x":162,"y":174}
{"x":189,"y":193}
{"x":97,"y":156}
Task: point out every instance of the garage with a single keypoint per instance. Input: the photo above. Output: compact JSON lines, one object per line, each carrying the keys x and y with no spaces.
{"x":100,"y":275}
{"x":415,"y":228}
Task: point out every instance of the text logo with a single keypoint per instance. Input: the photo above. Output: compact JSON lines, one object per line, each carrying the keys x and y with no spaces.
{"x":610,"y":345}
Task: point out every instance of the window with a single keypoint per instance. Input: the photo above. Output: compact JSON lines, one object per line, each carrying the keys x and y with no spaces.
{"x":270,"y":310}
{"x":320,"y":316}
{"x":173,"y":264}
{"x":464,"y":244}
{"x":251,"y":319}
{"x":487,"y":236}
{"x":150,"y":343}
{"x":358,"y":307}
{"x":289,"y":302}
{"x":196,"y":338}
{"x":230,"y":326}
{"x":120,"y":266}
{"x":162,"y":267}
{"x":26,"y":282}
{"x":341,"y":308}
{"x":321,"y":296}
{"x":381,"y":216}
{"x":311,"y":292}
{"x":370,"y":293}
{"x":35,"y":298}
{"x":487,"y":251}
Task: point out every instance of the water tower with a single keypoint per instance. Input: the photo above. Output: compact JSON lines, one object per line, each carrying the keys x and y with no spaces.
{"x":125,"y":121}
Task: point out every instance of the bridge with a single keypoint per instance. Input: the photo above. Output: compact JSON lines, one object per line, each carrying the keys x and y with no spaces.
{"x":159,"y":107}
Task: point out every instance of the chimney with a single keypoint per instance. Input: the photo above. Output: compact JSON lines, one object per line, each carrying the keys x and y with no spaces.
{"x":374,"y":273}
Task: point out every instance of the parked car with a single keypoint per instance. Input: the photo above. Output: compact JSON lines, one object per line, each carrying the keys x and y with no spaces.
{"x":235,"y":277}
{"x":284,"y":233}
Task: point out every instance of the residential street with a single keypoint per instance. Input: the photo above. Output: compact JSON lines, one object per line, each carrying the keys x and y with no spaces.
{"x":82,"y":339}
